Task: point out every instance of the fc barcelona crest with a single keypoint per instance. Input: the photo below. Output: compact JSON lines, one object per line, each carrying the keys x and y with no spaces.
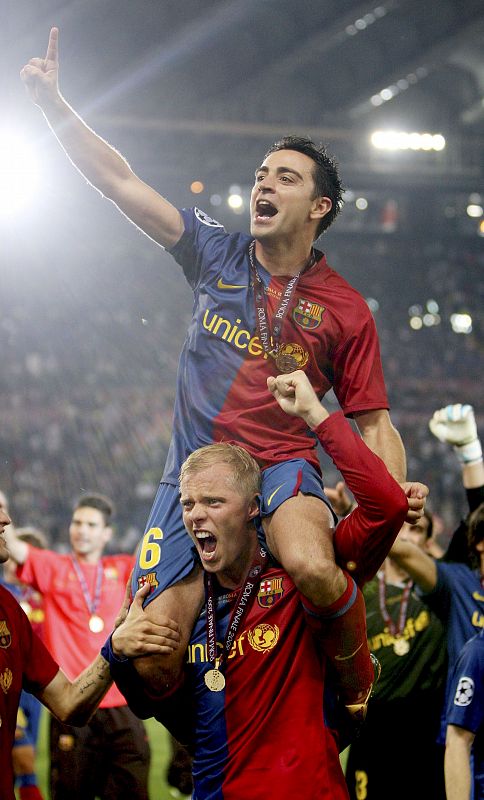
{"x":308,"y":315}
{"x":6,"y":678}
{"x":270,"y":591}
{"x":149,"y":578}
{"x":5,"y":635}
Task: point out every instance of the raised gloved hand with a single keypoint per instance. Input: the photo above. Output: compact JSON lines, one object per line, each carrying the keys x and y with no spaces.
{"x":456,"y":425}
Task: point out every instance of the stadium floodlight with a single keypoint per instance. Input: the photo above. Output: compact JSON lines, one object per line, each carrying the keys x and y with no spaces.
{"x":236,"y":202}
{"x":474,"y":210}
{"x":415,"y":323}
{"x":19,"y":173}
{"x":461,"y":323}
{"x":402,"y":140}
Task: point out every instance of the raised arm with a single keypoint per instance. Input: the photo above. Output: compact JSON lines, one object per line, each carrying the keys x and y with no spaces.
{"x":18,"y":550}
{"x":362,"y":539}
{"x":456,"y":425}
{"x":420,"y":566}
{"x":101,"y":165}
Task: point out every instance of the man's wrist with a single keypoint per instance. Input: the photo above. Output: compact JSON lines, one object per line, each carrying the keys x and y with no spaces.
{"x":470,"y":453}
{"x":108,"y":653}
{"x":315,"y":416}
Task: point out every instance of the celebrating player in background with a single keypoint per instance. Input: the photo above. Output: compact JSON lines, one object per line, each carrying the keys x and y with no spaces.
{"x":82,"y":592}
{"x":259,"y":724}
{"x":264,"y":304}
{"x":465,"y":725}
{"x":452,"y":587}
{"x":25,"y":663}
{"x":404,"y":711}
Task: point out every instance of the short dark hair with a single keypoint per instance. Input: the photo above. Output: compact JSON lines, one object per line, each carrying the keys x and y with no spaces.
{"x":327,"y":182}
{"x":98,"y":501}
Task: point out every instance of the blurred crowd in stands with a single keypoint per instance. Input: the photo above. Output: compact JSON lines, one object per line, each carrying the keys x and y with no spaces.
{"x":89,"y":366}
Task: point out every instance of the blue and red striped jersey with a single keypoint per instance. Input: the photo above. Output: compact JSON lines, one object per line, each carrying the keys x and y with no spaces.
{"x":221,"y":386}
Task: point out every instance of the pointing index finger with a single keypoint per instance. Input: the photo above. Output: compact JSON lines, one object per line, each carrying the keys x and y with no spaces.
{"x":52,"y":48}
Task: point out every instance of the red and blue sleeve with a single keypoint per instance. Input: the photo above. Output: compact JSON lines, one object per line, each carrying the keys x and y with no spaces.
{"x":363,"y":539}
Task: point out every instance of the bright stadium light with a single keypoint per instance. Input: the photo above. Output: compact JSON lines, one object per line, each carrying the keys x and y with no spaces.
{"x":236,"y":202}
{"x":19,"y":173}
{"x":461,"y":323}
{"x":402,"y":140}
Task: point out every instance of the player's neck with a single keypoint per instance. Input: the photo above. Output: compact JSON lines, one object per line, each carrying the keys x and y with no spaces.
{"x":280,"y":260}
{"x":233,"y":577}
{"x":87,"y":558}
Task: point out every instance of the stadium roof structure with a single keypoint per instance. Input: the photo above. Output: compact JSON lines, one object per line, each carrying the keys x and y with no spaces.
{"x":216,"y":78}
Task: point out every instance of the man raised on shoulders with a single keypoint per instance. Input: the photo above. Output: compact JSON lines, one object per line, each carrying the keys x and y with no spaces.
{"x":264,"y":303}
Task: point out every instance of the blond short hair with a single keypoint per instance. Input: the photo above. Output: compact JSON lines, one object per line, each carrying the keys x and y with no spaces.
{"x":246,"y":476}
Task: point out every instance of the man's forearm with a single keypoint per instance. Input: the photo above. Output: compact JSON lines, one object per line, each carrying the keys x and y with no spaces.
{"x":97,"y":161}
{"x":364,"y":538}
{"x":18,"y":550}
{"x":457,"y":767}
{"x":420,"y":566}
{"x":383,"y":439}
{"x":75,"y":701}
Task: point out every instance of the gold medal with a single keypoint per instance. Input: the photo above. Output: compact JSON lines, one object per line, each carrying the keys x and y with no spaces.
{"x":214,"y":680}
{"x":96,"y":623}
{"x":286,"y":363}
{"x":401,"y":647}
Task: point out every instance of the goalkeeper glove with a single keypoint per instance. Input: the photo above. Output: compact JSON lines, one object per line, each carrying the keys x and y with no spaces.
{"x":456,"y":425}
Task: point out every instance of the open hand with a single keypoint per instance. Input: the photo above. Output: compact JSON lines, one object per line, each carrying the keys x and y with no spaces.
{"x":137,"y":635}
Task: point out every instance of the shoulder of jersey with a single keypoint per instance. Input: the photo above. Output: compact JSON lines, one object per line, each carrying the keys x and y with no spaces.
{"x":205,"y":219}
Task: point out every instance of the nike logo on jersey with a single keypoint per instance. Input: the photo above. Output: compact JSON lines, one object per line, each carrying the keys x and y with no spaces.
{"x":222,"y":285}
{"x":271,"y":496}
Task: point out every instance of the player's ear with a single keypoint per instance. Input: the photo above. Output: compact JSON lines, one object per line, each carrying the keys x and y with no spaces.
{"x":321,"y":207}
{"x":108,"y":533}
{"x":253,"y":509}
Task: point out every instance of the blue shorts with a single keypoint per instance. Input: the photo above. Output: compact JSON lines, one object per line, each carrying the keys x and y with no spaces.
{"x":28,"y":718}
{"x":286,"y":480}
{"x":166,"y":553}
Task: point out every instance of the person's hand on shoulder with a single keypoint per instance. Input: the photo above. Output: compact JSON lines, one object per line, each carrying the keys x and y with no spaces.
{"x":136,"y":635}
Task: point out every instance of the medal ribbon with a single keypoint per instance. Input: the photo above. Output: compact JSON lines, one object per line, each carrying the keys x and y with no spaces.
{"x":92,"y":605}
{"x":239,"y":612}
{"x":270,"y":340}
{"x":395,"y":630}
